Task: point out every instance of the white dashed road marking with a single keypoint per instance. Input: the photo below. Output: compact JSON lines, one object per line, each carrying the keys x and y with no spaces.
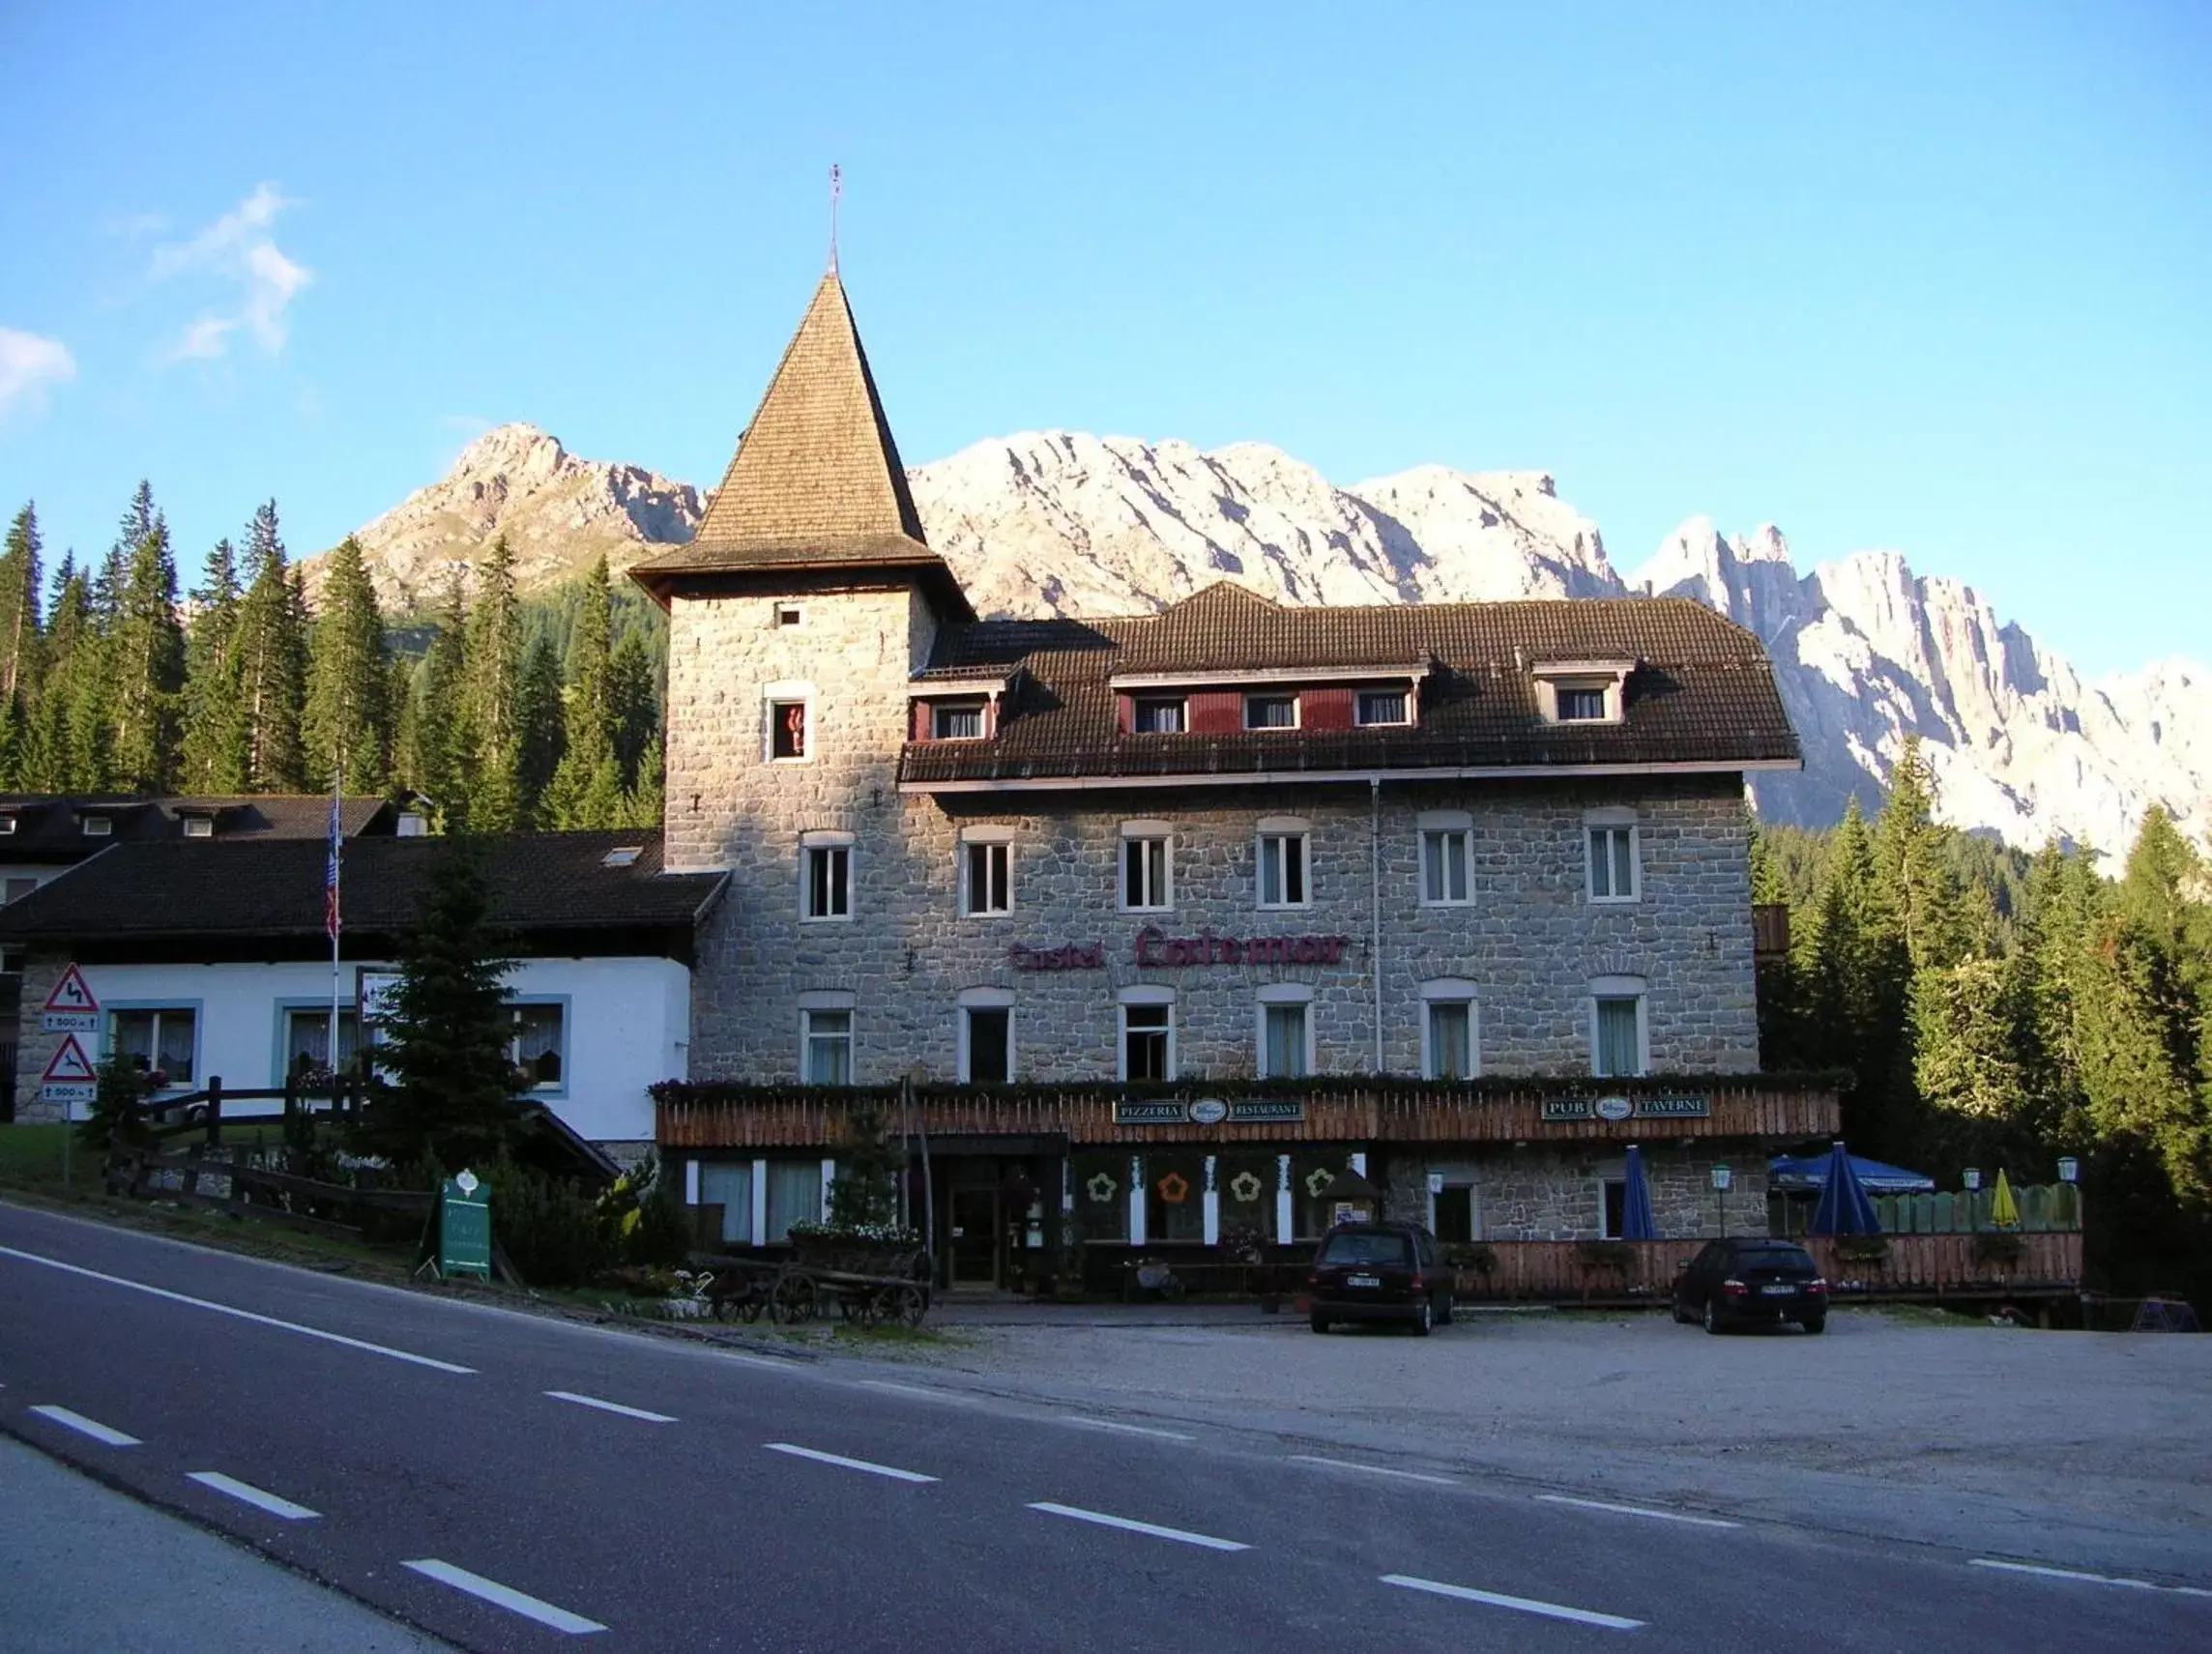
{"x":1133,"y":1429}
{"x":1181,"y":1536}
{"x":2083,"y":1576}
{"x":1373,"y":1470}
{"x":338,"y":1338}
{"x":1637,"y":1510}
{"x":845,"y":1463}
{"x":258,"y":1497}
{"x":83,"y":1426}
{"x":917,"y":1390}
{"x":504,"y":1596}
{"x":612,"y":1407}
{"x":1520,"y":1605}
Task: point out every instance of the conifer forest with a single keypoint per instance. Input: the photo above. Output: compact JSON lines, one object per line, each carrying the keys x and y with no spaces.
{"x":500,"y":713}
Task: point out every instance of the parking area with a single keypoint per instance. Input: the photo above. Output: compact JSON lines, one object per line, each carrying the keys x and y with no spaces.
{"x":2099,"y":1423}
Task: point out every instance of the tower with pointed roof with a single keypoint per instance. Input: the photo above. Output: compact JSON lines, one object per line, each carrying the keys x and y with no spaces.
{"x":810,"y":570}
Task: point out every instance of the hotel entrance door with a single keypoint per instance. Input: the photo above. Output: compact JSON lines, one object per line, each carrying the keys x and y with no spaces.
{"x":975,"y":1237}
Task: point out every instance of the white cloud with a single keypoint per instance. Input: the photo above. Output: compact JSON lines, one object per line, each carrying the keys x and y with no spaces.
{"x":28,"y":367}
{"x":238,"y":249}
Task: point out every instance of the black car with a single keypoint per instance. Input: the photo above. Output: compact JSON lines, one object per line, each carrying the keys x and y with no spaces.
{"x":1734,"y":1282}
{"x":1379,"y":1271}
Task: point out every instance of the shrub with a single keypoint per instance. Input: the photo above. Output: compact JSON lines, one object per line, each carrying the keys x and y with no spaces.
{"x":1472,"y":1255}
{"x":661,"y":1236}
{"x":2000,"y":1248}
{"x":549,"y":1227}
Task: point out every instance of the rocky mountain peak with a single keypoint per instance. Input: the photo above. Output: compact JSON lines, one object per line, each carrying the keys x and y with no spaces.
{"x":1866,"y":651}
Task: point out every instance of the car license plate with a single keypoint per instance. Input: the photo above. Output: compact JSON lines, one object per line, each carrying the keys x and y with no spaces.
{"x":1362,"y":1280}
{"x":1777,"y":1290}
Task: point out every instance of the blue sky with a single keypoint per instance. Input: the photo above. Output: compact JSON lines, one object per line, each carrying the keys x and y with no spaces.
{"x":1936,"y":278}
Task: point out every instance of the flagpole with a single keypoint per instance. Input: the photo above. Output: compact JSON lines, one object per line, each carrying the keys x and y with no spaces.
{"x":335,"y":924}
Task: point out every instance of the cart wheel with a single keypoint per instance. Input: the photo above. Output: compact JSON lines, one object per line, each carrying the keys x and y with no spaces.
{"x":795,"y":1299}
{"x":913,"y":1305}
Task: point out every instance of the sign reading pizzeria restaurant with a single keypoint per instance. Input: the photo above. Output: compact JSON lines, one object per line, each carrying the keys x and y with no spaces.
{"x":1209,"y":1111}
{"x":1556,"y":1109}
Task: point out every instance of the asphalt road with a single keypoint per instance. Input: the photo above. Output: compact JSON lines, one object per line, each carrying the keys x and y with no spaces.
{"x":507,"y":1481}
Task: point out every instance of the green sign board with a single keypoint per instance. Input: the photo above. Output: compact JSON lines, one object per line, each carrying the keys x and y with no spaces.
{"x":464,"y":1228}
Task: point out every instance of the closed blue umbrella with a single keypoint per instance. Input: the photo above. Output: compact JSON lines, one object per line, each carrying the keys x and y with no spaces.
{"x":1844,"y":1208}
{"x":1636,"y":1220}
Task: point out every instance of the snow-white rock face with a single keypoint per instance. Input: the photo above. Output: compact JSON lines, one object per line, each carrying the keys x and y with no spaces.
{"x":558,"y":513}
{"x":1058,"y":522}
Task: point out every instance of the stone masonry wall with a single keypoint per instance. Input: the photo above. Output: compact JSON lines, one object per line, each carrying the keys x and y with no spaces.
{"x":1554,"y":1194}
{"x":35,"y":1048}
{"x":1531,"y":940}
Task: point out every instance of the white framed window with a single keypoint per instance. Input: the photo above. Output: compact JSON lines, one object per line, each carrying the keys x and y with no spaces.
{"x":1381,"y":707}
{"x":100,"y":827}
{"x":986,"y":1036}
{"x":1619,"y":1031}
{"x":1451,"y":1031}
{"x":1157,"y":715}
{"x":793,"y":1196}
{"x":1286,"y":1033}
{"x":729,"y":1184}
{"x":306,"y":1036}
{"x":1148,"y":867}
{"x":956,"y":720}
{"x":1448,"y":859}
{"x":790,"y":614}
{"x":1582,"y":691}
{"x":199,"y":826}
{"x":826,"y":1045}
{"x":1284,"y":841}
{"x":825,"y":877}
{"x":986,"y":878}
{"x":1148,"y":1046}
{"x":1611,"y":871}
{"x":539,"y":1045}
{"x":787,"y":716}
{"x":1271,"y":712}
{"x":161,"y":1039}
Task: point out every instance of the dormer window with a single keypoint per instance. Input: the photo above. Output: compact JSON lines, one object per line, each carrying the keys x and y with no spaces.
{"x":956,"y":720}
{"x":1270,"y":712}
{"x":6,"y":824}
{"x":1159,"y":714}
{"x":1381,"y":707}
{"x":98,"y":826}
{"x":1582,"y":691}
{"x":199,"y":826}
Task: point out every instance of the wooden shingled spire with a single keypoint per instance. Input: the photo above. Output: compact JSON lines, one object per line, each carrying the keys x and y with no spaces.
{"x":816,"y":483}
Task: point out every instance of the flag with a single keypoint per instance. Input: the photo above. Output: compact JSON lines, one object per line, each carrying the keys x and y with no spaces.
{"x":331,"y":922}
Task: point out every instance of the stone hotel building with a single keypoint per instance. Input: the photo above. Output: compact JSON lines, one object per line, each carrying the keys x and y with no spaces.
{"x":1154,"y":927}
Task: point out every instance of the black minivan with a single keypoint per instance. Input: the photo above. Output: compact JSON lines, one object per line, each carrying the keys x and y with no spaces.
{"x":1750,"y":1277}
{"x":1379,"y":1271}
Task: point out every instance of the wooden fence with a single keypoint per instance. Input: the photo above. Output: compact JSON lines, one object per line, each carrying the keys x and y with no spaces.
{"x":1919,"y":1265}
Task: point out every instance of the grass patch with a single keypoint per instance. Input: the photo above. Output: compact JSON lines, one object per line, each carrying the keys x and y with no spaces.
{"x":31,"y":1159}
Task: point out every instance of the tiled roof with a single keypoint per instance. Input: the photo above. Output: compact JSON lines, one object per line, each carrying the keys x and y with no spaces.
{"x":274,"y":888}
{"x":816,"y":479}
{"x":1702,"y":690}
{"x":49,"y":826}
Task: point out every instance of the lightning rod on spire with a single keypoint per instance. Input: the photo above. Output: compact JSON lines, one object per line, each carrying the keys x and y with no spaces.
{"x":836,"y":188}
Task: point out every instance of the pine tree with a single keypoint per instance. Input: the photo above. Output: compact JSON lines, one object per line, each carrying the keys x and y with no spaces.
{"x":642,"y":804}
{"x":539,"y":717}
{"x":634,"y":694}
{"x":1855,"y":977}
{"x":348,"y":717}
{"x":587,"y":790}
{"x":440,"y":742}
{"x":213,"y":759}
{"x":493,"y":697}
{"x":19,"y":589}
{"x":272,"y":683}
{"x":147,"y":655}
{"x":53,"y":762}
{"x":447,"y":1042}
{"x":1920,"y":889}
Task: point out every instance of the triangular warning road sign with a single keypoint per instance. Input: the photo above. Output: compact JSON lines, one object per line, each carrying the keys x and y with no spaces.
{"x":69,"y":1066}
{"x":70,"y":993}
